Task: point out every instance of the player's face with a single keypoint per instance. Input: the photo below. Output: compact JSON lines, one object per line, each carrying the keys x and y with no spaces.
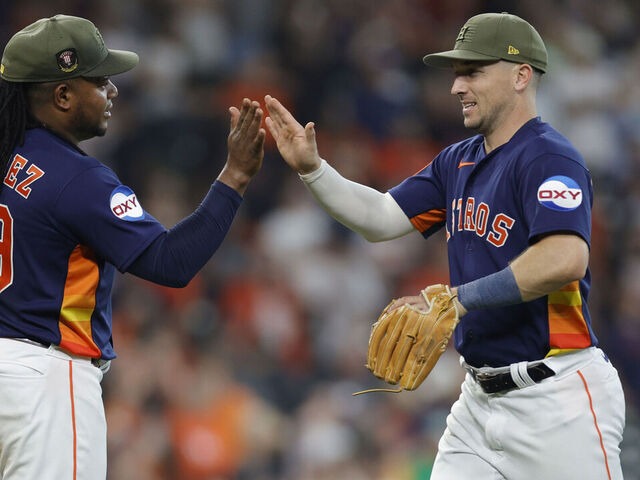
{"x":93,"y":109}
{"x":485,"y":92}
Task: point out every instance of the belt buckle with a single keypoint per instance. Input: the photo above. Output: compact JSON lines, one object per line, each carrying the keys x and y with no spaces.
{"x":482,"y":376}
{"x":477,"y":374}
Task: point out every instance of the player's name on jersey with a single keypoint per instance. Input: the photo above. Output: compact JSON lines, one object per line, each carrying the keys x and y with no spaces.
{"x":33,"y":173}
{"x":476,"y":217}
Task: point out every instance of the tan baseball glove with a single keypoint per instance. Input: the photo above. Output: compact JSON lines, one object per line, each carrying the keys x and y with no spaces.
{"x":406,"y":342}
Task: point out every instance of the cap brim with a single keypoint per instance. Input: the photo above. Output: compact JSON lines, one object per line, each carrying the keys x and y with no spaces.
{"x":117,"y":61}
{"x":446,"y":59}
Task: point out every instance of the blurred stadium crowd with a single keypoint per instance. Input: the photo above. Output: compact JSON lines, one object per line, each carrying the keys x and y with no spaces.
{"x":248,"y":372}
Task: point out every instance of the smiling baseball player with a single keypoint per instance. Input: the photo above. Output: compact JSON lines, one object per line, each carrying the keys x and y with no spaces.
{"x":540,"y":400}
{"x":66,"y":224}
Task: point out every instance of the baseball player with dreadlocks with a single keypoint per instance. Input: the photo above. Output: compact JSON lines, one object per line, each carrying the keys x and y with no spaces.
{"x":540,"y":400}
{"x":66,"y":224}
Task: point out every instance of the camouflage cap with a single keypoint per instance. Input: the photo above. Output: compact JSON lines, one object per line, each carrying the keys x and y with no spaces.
{"x":495,"y":36}
{"x":59,"y":48}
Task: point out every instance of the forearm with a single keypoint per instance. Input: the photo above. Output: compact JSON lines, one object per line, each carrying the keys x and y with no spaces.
{"x":543,"y":268}
{"x":550,"y":264}
{"x":235,"y":179}
{"x":175,"y":257}
{"x":374,"y":215}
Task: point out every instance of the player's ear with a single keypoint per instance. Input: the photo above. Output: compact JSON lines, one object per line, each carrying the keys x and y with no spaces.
{"x":523,"y":74}
{"x":62,"y":96}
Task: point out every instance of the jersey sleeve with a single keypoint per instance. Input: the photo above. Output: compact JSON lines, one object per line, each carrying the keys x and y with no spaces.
{"x":100,"y":212}
{"x":422,"y":198}
{"x":557,"y":195}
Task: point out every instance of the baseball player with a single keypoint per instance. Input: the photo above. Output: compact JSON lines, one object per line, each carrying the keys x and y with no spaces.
{"x":66,"y":224}
{"x":540,"y":400}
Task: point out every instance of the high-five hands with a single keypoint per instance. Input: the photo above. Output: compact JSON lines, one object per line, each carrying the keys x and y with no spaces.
{"x":296,"y":144}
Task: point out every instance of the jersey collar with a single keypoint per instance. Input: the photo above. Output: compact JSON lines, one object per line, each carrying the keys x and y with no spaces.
{"x":61,"y":138}
{"x":520,"y":134}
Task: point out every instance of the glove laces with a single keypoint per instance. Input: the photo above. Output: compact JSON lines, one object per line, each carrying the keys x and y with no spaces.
{"x":389,"y":390}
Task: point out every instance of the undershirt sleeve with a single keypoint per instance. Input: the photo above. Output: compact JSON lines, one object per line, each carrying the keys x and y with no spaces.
{"x":373,"y":214}
{"x":175,"y":256}
{"x":96,"y":210}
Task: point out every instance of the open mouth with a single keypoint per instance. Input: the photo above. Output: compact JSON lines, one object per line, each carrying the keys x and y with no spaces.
{"x":467,"y":106}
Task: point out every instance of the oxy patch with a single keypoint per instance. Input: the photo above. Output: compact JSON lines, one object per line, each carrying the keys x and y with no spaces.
{"x":124,"y":204}
{"x":560,"y":193}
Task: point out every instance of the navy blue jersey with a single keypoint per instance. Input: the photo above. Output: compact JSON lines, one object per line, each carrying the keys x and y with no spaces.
{"x":67,"y":221}
{"x":494,"y":206}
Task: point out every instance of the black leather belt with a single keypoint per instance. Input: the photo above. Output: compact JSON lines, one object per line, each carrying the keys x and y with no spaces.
{"x":501,"y":382}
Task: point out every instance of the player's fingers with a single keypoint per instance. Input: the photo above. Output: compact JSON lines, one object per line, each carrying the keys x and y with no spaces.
{"x":254,"y":125}
{"x":310,"y":132}
{"x":275,"y":110}
{"x":245,"y":112}
{"x":259,"y":143}
{"x":247,"y":126}
{"x":273,"y":106}
{"x":388,"y":307}
{"x":281,"y":115}
{"x":414,"y":301}
{"x":235,"y":114}
{"x":273,"y":128}
{"x":398,"y":303}
{"x":274,"y":114}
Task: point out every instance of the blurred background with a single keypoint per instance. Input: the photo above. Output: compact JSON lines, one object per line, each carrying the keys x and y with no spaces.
{"x":248,"y":372}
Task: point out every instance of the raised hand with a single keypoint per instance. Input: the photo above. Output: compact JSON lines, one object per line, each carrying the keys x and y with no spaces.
{"x":245,"y":144}
{"x":296,"y":144}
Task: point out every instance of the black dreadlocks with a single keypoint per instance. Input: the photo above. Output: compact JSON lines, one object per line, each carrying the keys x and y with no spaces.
{"x":15,"y":118}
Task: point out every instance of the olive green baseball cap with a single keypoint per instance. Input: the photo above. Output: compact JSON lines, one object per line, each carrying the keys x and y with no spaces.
{"x":492,"y":37}
{"x":59,"y":48}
